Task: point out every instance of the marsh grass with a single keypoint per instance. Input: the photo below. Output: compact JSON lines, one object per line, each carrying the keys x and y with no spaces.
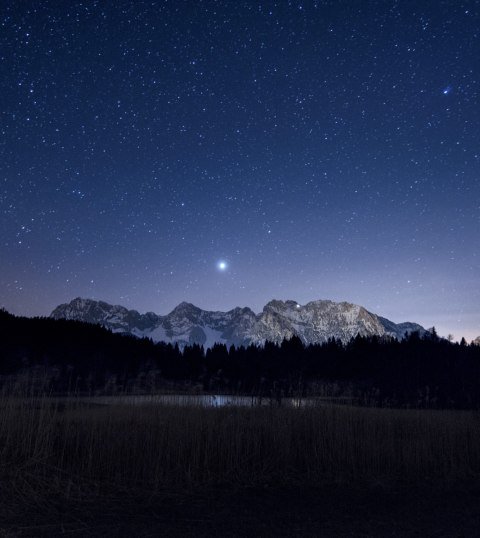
{"x":75,"y":448}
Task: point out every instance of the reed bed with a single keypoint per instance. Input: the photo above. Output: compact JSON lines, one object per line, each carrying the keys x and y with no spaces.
{"x":70,"y":444}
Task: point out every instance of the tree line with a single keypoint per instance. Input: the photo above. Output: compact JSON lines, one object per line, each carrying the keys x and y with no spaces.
{"x":425,"y":371}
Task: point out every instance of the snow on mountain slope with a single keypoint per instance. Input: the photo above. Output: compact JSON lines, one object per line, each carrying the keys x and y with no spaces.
{"x":316,"y":321}
{"x":399,"y":330}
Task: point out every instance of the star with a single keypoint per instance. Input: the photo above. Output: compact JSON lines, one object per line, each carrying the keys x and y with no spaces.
{"x":222,"y":265}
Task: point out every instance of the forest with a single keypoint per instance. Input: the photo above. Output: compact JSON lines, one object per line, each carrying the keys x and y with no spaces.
{"x":423,"y":372}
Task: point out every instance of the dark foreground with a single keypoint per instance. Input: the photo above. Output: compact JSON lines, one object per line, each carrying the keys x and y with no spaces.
{"x":73,"y":469}
{"x":330,"y":511}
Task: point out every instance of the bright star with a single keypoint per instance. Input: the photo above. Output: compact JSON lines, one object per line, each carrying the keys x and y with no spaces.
{"x":222,"y":266}
{"x":447,"y":90}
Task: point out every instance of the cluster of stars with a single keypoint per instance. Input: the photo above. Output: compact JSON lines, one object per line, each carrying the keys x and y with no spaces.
{"x":226,"y":153}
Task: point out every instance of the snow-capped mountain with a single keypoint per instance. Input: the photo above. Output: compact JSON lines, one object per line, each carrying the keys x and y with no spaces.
{"x":316,"y":321}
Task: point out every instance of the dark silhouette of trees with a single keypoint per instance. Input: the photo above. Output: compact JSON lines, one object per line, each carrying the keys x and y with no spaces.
{"x":419,"y":371}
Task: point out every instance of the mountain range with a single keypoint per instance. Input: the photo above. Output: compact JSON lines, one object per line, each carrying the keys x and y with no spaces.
{"x":314,"y":322}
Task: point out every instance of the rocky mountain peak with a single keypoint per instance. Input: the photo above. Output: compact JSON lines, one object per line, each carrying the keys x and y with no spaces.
{"x":183,"y":308}
{"x":314,"y":322}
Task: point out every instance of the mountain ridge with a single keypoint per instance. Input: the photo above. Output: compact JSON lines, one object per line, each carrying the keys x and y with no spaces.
{"x":315,"y":322}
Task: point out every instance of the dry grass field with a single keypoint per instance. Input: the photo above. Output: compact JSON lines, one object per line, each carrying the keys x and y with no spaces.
{"x":62,"y":458}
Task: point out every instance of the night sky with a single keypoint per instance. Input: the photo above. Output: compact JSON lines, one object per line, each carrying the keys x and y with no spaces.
{"x":230,"y":152}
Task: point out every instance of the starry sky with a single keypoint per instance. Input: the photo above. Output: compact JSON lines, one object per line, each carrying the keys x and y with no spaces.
{"x":230,"y":152}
